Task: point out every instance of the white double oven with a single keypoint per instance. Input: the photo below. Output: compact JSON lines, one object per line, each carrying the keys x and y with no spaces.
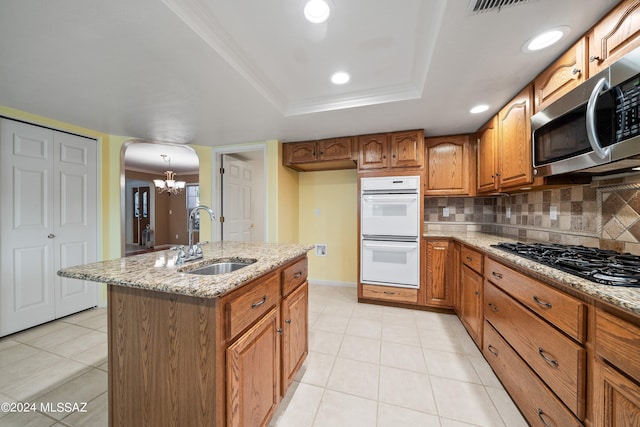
{"x":390,"y":231}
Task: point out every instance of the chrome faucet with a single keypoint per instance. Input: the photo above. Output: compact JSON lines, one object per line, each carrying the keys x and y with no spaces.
{"x":193,"y":250}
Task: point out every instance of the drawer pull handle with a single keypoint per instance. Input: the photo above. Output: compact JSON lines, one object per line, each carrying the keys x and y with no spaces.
{"x":493,"y":307}
{"x":541,"y":416}
{"x":542,"y":303}
{"x":298,"y":274}
{"x":492,"y":350}
{"x":496,"y":274}
{"x":259,"y":303}
{"x":389,"y":293}
{"x":543,"y":354}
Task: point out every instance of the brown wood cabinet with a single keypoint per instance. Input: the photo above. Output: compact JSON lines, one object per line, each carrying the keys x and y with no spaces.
{"x":515,"y":167}
{"x":566,"y":73}
{"x":449,"y":162}
{"x":183,"y":360}
{"x":438,"y":277}
{"x":471,"y":293}
{"x":253,"y":373}
{"x":614,"y":36}
{"x":390,"y":293}
{"x":617,"y":372}
{"x":487,"y":145}
{"x":324,"y":154}
{"x":391,"y":150}
{"x":295,"y":324}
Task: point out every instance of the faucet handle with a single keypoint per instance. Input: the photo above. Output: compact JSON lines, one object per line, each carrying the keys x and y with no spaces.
{"x":198,"y":247}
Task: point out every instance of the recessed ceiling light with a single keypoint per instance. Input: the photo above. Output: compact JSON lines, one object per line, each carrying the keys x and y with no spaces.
{"x":545,"y":39}
{"x":317,"y":11}
{"x":479,"y":109}
{"x":340,"y":77}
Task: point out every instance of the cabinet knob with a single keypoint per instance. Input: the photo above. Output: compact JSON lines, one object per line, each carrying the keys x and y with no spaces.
{"x":477,"y":292}
{"x":288,"y":321}
{"x":279,"y":330}
{"x":594,"y":58}
{"x":51,"y":236}
{"x":575,"y":71}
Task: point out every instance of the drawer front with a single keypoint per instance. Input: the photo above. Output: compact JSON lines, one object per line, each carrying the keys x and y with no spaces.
{"x":472,"y":258}
{"x":294,"y":275}
{"x":560,"y":362}
{"x":245,"y":308}
{"x":617,"y":341}
{"x":534,"y":399}
{"x":390,"y":293}
{"x":564,"y":311}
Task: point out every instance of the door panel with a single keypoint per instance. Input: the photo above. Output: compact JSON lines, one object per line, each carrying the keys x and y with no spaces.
{"x":237,"y":203}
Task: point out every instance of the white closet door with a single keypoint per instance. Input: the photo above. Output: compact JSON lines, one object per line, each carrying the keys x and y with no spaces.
{"x":74,"y":218}
{"x":237,"y":200}
{"x":26,"y":251}
{"x":45,"y":223}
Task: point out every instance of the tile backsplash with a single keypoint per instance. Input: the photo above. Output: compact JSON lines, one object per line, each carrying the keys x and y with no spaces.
{"x":604,"y":214}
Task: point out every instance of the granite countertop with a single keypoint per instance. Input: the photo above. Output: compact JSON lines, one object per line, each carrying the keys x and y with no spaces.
{"x":156,"y":271}
{"x":627,"y":298}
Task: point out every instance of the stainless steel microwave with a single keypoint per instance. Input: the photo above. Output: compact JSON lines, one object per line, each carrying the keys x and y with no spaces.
{"x":595,"y":128}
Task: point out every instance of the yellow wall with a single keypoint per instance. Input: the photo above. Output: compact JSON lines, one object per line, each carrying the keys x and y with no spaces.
{"x":328,"y":214}
{"x":286,"y":199}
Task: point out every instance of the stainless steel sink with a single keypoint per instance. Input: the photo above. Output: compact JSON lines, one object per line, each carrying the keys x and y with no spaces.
{"x":221,"y":267}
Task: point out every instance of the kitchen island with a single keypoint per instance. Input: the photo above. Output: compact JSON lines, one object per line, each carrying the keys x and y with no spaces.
{"x":191,"y":349}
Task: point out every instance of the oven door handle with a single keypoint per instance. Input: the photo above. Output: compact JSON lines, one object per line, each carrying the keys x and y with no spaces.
{"x":390,"y":199}
{"x":397,"y":248}
{"x":592,"y":136}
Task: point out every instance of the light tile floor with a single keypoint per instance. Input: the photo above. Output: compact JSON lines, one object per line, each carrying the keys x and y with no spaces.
{"x":367,"y":366}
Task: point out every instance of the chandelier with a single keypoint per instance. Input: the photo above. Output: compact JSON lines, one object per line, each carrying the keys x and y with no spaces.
{"x":169,"y":183}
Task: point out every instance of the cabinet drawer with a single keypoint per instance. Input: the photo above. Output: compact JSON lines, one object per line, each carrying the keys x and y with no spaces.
{"x":564,"y":311}
{"x":246,"y":307}
{"x":617,"y":342}
{"x":472,"y":258}
{"x":293,"y":276}
{"x":559,"y":361}
{"x":534,"y":399}
{"x":390,"y":293}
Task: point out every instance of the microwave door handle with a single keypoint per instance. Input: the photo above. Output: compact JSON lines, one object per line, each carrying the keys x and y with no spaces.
{"x":592,"y":136}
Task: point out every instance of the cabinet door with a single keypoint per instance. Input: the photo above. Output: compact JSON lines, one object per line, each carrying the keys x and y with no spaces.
{"x":294,"y":337}
{"x":514,"y":136}
{"x":438,"y":278}
{"x":373,"y":151}
{"x":300,"y":152}
{"x":471,"y":303}
{"x":253,"y":373}
{"x":486,"y":161}
{"x":614,"y":36}
{"x":617,"y":399}
{"x":407,"y":149}
{"x":448,"y":162}
{"x":564,"y":74}
{"x":334,"y":149}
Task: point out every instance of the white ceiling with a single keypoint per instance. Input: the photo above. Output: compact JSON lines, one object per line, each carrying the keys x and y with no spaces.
{"x":218,"y":72}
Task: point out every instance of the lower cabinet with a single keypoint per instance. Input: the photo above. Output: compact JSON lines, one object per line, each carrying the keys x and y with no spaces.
{"x":617,"y":372}
{"x":471,"y":302}
{"x":253,"y":373}
{"x":438,"y":281}
{"x":295,"y":324}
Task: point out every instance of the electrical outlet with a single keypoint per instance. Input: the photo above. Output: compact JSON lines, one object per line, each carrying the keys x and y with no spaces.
{"x":445,"y":211}
{"x":177,"y":237}
{"x":321,"y":249}
{"x":508,"y":213}
{"x":553,"y":213}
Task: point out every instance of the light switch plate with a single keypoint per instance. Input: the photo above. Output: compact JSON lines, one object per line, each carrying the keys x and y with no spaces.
{"x":553,"y":213}
{"x":321,"y":249}
{"x":445,"y":211}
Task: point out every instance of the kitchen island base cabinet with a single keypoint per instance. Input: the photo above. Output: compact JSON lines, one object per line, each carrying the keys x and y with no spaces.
{"x":183,"y":360}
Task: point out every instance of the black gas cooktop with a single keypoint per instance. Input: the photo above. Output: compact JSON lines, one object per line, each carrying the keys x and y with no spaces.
{"x":598,"y":265}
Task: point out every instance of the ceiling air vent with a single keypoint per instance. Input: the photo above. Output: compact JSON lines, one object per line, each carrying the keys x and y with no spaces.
{"x":481,"y":6}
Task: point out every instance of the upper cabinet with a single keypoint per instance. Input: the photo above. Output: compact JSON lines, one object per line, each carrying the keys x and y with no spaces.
{"x":567,"y":72}
{"x":504,"y":147}
{"x":487,"y":140}
{"x":391,"y":150}
{"x":449,"y":161}
{"x":514,"y":142}
{"x":614,"y":36}
{"x":324,"y":154}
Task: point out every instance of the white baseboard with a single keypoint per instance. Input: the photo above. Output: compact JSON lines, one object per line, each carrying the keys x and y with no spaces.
{"x":332,"y":283}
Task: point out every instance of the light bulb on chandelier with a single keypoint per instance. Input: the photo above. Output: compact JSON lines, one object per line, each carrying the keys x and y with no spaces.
{"x":169,"y":183}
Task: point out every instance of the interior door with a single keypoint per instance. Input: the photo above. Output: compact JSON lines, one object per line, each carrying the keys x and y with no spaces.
{"x":237,"y":199}
{"x":48,"y":220}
